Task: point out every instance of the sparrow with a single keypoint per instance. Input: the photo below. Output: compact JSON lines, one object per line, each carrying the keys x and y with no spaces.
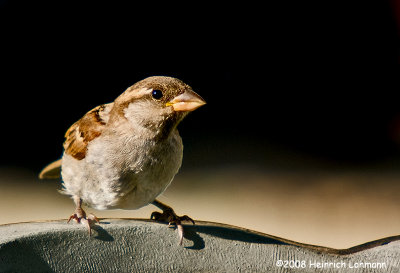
{"x":124,"y":154}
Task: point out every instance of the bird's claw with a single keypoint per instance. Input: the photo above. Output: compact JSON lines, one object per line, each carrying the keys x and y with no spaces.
{"x":88,"y":221}
{"x":171,"y":218}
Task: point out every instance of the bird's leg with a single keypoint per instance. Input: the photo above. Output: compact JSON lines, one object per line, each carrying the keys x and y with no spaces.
{"x":80,"y":215}
{"x":168,"y":215}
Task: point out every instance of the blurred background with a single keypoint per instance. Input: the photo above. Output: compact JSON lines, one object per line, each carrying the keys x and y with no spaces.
{"x":301,"y":134}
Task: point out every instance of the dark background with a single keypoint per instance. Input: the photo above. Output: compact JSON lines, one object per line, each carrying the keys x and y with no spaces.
{"x":288,"y":84}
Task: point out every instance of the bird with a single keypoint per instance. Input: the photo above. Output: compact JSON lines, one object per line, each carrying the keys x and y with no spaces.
{"x":124,"y":154}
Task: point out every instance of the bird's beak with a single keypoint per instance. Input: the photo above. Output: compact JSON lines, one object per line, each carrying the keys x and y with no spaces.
{"x":187,"y":101}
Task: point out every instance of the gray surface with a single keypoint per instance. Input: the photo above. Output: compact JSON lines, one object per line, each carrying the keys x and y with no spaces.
{"x":120,"y":245}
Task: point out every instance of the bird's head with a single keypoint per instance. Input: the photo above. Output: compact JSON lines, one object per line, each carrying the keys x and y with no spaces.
{"x":157,"y":103}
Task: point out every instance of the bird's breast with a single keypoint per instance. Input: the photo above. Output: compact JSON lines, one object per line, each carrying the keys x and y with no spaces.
{"x":135,"y":170}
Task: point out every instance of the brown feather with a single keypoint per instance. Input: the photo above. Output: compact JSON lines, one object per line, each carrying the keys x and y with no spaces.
{"x":86,"y":129}
{"x":51,"y":171}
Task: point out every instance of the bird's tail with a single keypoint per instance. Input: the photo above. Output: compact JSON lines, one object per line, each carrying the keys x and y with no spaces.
{"x":51,"y":171}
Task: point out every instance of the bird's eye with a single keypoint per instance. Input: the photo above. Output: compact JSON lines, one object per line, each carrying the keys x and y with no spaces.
{"x":157,"y":94}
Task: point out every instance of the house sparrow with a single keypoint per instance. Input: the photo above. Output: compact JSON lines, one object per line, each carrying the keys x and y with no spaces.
{"x":122,"y":155}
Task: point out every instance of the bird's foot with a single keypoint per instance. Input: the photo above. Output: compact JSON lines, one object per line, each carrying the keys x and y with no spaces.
{"x":168,"y":215}
{"x":80,"y":217}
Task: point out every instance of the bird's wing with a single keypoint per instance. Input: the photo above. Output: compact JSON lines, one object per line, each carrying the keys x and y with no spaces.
{"x":77,"y":137}
{"x":86,"y":129}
